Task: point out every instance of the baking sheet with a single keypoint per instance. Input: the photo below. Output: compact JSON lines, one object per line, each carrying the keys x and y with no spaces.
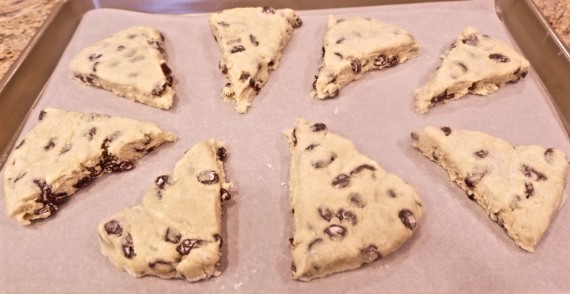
{"x":457,"y":248}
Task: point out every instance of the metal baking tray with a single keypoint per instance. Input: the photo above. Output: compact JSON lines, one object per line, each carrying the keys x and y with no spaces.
{"x":38,"y":256}
{"x":23,"y":83}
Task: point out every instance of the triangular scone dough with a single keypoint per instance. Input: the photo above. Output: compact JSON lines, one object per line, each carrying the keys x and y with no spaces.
{"x":67,"y":150}
{"x":347,"y":210}
{"x":357,"y":45}
{"x":252,"y":42}
{"x":520,"y":188}
{"x":131,"y":64}
{"x":476,"y":64}
{"x":175,"y":233}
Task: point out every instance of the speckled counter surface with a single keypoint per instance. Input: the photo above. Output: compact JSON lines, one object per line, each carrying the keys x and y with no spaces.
{"x":20,"y":19}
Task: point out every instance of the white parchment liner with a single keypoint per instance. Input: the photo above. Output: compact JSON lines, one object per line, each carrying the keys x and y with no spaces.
{"x":457,"y":248}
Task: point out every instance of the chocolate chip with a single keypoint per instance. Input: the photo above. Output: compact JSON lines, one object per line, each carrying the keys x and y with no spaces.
{"x":324,"y":163}
{"x":47,"y":208}
{"x":547,"y":154}
{"x":131,"y":36}
{"x":224,"y":24}
{"x":318,"y":127}
{"x":340,"y":20}
{"x":348,"y":215}
{"x":335,"y":232}
{"x":370,"y":253}
{"x":529,"y":172}
{"x":42,"y":115}
{"x":529,"y":189}
{"x":19,"y":177}
{"x":20,"y":144}
{"x":313,"y":243}
{"x":158,"y":90}
{"x":407,"y":218}
{"x":167,"y":73}
{"x":219,"y":239}
{"x":65,"y":148}
{"x":253,"y":40}
{"x":244,"y":76}
{"x":339,"y":55}
{"x":446,"y":131}
{"x":113,"y":227}
{"x":326,"y":213}
{"x":225,"y":195}
{"x":471,"y":40}
{"x":297,"y":23}
{"x":482,"y":153}
{"x":463,"y":66}
{"x":323,"y":51}
{"x":341,"y":181}
{"x":382,"y":61}
{"x":237,"y":48}
{"x":268,"y":10}
{"x":49,"y":145}
{"x":472,"y":87}
{"x":472,"y":180}
{"x":120,"y":48}
{"x":172,"y":235}
{"x":414,"y":136}
{"x":95,"y":56}
{"x":335,"y":93}
{"x":94,"y":68}
{"x":392,"y":194}
{"x":208,"y":177}
{"x":271,"y":63}
{"x":128,"y":246}
{"x":222,"y":153}
{"x":309,"y":148}
{"x":161,"y":181}
{"x":223,"y":68}
{"x":340,"y":40}
{"x":356,"y":66}
{"x":360,"y":168}
{"x":187,"y":245}
{"x":294,"y":137}
{"x":499,"y":57}
{"x":356,"y":200}
{"x":442,"y":97}
{"x":292,"y":242}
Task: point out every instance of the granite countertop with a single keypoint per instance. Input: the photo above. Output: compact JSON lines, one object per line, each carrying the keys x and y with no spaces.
{"x":20,"y":19}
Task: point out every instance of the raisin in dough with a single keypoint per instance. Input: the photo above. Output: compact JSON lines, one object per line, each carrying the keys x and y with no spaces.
{"x":356,"y":45}
{"x":347,"y":210}
{"x":252,"y":41}
{"x":67,"y":150}
{"x":175,"y":233}
{"x":520,"y":188}
{"x":476,"y":64}
{"x":131,"y":64}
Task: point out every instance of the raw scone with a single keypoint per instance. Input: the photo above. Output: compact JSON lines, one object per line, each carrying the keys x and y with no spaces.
{"x":520,"y":188}
{"x":66,"y":151}
{"x":356,"y":45}
{"x":131,"y":64}
{"x":476,"y":64}
{"x":252,"y":42}
{"x":347,"y":210}
{"x":175,"y":232}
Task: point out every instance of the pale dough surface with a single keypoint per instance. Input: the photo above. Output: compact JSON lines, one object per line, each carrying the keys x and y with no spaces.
{"x":67,"y":150}
{"x":521,"y":188}
{"x":356,"y":45}
{"x":175,"y":232}
{"x":347,"y":210}
{"x":131,"y":64}
{"x":252,"y":40}
{"x":476,"y":63}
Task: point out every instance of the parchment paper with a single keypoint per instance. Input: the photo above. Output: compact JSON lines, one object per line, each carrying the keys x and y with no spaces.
{"x":457,"y":247}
